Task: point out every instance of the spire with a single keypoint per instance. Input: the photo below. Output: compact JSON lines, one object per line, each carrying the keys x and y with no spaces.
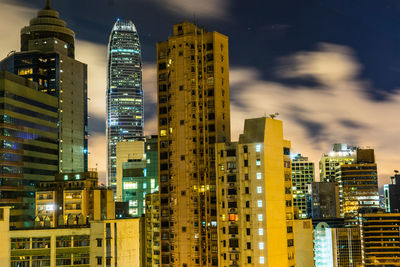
{"x":48,"y":2}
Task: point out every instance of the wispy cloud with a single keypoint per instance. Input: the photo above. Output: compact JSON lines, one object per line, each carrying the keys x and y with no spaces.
{"x":209,"y":9}
{"x":339,"y":110}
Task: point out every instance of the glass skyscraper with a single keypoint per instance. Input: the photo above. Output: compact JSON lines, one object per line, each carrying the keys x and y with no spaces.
{"x":124,"y":91}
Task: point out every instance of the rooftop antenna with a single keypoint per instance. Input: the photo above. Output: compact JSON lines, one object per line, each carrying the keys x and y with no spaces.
{"x":273,"y":116}
{"x":48,"y":4}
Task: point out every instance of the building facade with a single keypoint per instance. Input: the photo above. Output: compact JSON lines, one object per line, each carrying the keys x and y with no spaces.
{"x":193,"y":115}
{"x":358,"y":184}
{"x":73,"y":199}
{"x":325,"y":200}
{"x":124,"y":91}
{"x":392,"y":194}
{"x":100,"y":243}
{"x":337,"y":247}
{"x":29,"y":145}
{"x":140,"y":177}
{"x":381,"y":238}
{"x":47,"y":57}
{"x":303,"y":175}
{"x":152,"y":228}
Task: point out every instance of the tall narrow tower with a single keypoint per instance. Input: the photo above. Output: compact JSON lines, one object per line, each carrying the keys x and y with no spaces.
{"x":124,"y":91}
{"x":193,"y":115}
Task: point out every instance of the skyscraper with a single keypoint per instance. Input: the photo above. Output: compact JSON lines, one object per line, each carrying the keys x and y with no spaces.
{"x":124,"y":91}
{"x":48,"y":57}
{"x":51,"y":123}
{"x":193,"y":115}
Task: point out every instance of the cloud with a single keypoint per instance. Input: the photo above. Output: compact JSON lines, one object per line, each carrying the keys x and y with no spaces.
{"x":338,"y":110}
{"x":208,"y":9}
{"x":13,"y":18}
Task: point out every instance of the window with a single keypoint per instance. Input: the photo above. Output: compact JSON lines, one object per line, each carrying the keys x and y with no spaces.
{"x":99,"y":242}
{"x":260,"y":231}
{"x":248,"y":245}
{"x":258,"y":175}
{"x":259,"y":203}
{"x":99,"y":260}
{"x":259,"y":189}
{"x":258,"y":162}
{"x":262,"y":260}
{"x":248,"y":259}
{"x":261,"y":245}
{"x":247,"y":217}
{"x":247,"y":190}
{"x":260,"y":217}
{"x":247,"y":231}
{"x":258,"y":148}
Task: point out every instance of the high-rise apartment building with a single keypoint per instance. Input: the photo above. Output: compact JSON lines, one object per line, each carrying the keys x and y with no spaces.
{"x":358,"y":184}
{"x":341,"y":154}
{"x":48,"y":57}
{"x":254,"y":199}
{"x":124,"y":91}
{"x":303,"y":175}
{"x":392,"y":194}
{"x":29,"y":146}
{"x":193,"y":115}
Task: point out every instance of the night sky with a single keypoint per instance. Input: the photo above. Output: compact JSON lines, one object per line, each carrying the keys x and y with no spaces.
{"x":329,"y":67}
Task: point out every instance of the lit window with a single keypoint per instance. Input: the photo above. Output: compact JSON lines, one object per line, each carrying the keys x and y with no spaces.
{"x":258,"y":175}
{"x":261,"y":245}
{"x":135,"y":211}
{"x":260,"y":231}
{"x":130,"y":185}
{"x":262,"y":260}
{"x":258,"y":162}
{"x":153,"y":183}
{"x":144,"y":185}
{"x":259,"y":203}
{"x":260,"y":217}
{"x":258,"y":148}
{"x":259,"y":189}
{"x":163,"y":133}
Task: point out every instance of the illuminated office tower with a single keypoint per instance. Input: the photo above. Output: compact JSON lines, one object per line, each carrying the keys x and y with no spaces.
{"x":337,"y":247}
{"x":193,"y":115}
{"x":124,"y":91}
{"x":48,"y":57}
{"x":29,"y":145}
{"x":303,"y":174}
{"x":341,"y":154}
{"x":381,"y":238}
{"x":358,"y":185}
